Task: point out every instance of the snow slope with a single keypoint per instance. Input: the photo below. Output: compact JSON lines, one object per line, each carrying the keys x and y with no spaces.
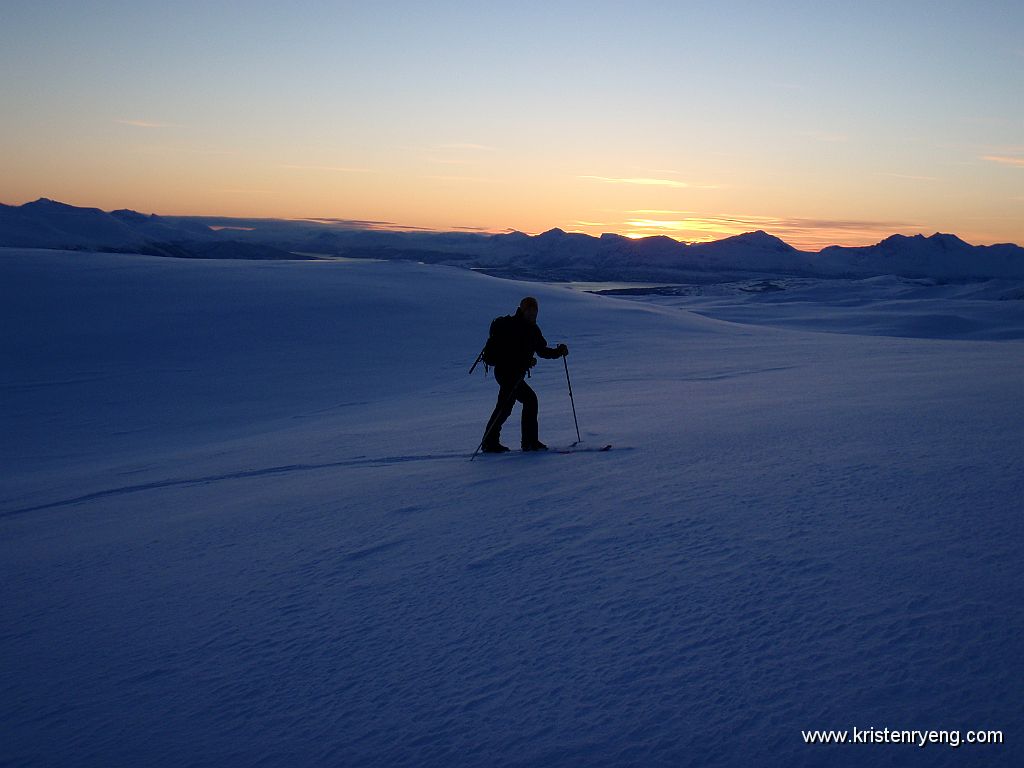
{"x":878,"y":306}
{"x":238,"y":527}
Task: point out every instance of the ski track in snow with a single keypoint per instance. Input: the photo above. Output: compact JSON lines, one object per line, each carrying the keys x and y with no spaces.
{"x":799,"y":530}
{"x":288,"y":469}
{"x":360,"y":461}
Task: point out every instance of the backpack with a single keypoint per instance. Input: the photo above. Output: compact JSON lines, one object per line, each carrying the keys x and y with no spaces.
{"x":499,"y":349}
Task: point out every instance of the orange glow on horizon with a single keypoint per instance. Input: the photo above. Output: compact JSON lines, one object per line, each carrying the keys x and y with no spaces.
{"x":385,"y":205}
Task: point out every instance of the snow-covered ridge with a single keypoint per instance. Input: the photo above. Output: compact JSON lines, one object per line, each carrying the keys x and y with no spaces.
{"x":554,"y":254}
{"x":47,"y":223}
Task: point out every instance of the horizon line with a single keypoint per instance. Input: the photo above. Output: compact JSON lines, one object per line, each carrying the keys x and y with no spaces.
{"x":370,"y":225}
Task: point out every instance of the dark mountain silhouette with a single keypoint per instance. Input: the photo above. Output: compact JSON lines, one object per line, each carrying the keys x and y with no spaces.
{"x":755,"y":240}
{"x":554,"y":254}
{"x":46,"y":223}
{"x":941,"y":256}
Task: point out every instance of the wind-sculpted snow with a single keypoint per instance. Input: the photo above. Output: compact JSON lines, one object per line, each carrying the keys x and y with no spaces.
{"x":238,"y":525}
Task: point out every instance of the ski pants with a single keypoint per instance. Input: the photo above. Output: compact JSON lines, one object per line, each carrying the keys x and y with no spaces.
{"x":513,"y":388}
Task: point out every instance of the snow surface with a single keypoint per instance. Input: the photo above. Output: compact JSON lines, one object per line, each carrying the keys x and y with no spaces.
{"x":238,"y":526}
{"x":882,"y":306}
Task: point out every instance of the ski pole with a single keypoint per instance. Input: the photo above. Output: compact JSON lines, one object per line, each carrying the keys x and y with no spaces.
{"x":573,"y":402}
{"x":478,"y":359}
{"x":490,"y":424}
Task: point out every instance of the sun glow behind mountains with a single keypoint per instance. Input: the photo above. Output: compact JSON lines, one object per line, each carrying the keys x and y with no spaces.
{"x":804,"y":234}
{"x":689,"y":230}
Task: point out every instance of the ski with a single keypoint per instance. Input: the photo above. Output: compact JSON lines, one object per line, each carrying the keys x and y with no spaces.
{"x":558,"y":450}
{"x":579,"y":449}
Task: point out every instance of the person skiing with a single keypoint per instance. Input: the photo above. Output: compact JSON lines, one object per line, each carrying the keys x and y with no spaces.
{"x":513,"y":342}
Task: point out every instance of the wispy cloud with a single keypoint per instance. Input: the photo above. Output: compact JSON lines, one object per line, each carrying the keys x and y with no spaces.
{"x":660,"y":226}
{"x":145,"y":124}
{"x":1017,"y":162}
{"x":353,"y":222}
{"x":651,"y":182}
{"x":388,"y":226}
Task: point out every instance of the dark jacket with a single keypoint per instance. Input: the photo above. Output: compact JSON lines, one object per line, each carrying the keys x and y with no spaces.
{"x":515,"y":340}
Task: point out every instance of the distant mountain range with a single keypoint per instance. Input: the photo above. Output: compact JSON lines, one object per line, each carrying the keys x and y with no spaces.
{"x":47,"y":223}
{"x":552,"y":255}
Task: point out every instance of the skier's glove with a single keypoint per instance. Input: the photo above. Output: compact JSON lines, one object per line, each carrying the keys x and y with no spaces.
{"x":562,"y":350}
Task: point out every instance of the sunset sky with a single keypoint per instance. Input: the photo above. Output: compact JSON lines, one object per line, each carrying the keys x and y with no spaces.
{"x":821,"y":122}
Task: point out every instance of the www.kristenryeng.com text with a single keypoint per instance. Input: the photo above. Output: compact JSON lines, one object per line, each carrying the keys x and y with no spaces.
{"x":917,"y":737}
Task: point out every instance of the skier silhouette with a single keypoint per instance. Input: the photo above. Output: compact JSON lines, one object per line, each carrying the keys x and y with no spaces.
{"x":513,"y":342}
